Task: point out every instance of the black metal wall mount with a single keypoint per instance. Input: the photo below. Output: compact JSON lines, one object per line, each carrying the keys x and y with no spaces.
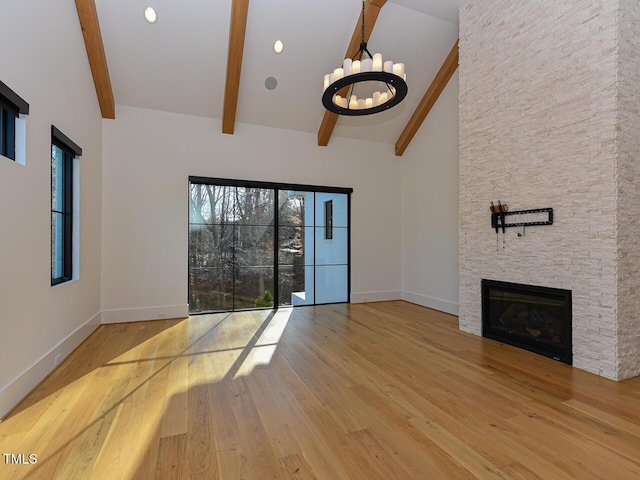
{"x":500,"y":220}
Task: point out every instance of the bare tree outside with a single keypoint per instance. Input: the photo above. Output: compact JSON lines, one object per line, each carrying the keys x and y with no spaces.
{"x":230,"y":246}
{"x":292,"y":242}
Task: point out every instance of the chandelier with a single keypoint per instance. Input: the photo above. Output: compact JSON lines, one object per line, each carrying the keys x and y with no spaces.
{"x":338,"y":95}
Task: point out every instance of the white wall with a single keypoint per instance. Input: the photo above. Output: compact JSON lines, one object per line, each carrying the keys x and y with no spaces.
{"x":430,"y":208}
{"x":147,"y":159}
{"x":44,"y":61}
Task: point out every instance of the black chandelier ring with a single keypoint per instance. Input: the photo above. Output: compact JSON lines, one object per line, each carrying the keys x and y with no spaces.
{"x":391,"y":80}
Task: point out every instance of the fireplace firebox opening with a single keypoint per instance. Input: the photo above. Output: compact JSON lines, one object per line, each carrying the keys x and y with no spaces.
{"x":531,"y":317}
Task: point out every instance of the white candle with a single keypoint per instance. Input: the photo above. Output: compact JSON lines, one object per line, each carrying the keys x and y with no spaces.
{"x":356,"y":67}
{"x":344,"y":103}
{"x":326,"y":81}
{"x":366,"y":65}
{"x":338,"y":73}
{"x":368,"y":102}
{"x":353,"y":103}
{"x":346,"y":65}
{"x":376,"y":99}
{"x":337,"y":100}
{"x":388,"y":66}
{"x":361,"y":104}
{"x":398,"y":69}
{"x":377,"y":62}
{"x":383,"y":98}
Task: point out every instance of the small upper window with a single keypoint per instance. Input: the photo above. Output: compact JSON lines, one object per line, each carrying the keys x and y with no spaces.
{"x":328,"y":220}
{"x":11,"y":129}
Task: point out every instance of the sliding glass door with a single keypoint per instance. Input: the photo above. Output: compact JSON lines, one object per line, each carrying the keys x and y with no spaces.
{"x":263,"y":245}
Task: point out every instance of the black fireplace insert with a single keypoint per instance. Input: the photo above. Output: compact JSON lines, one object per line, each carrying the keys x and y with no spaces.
{"x":531,"y":317}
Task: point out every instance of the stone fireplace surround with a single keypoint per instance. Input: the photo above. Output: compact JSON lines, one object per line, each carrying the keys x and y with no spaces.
{"x":549,"y":109}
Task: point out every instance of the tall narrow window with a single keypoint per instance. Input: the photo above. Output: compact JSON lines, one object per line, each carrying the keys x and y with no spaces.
{"x":63,"y":152}
{"x":11,"y":106}
{"x":7,"y":131}
{"x":328,"y":220}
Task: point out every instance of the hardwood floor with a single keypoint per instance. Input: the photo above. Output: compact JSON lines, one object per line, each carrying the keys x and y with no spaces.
{"x":367,"y":391}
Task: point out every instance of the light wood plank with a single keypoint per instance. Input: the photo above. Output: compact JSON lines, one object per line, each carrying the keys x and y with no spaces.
{"x":84,"y":451}
{"x":281,"y":437}
{"x":237,"y":30}
{"x":297,"y":467}
{"x":352,"y":392}
{"x":604,"y":415}
{"x":463,"y":453}
{"x":200,"y":451}
{"x":171,"y":454}
{"x":440,"y":81}
{"x":88,"y":16}
{"x":381,"y":455}
{"x":371,"y":12}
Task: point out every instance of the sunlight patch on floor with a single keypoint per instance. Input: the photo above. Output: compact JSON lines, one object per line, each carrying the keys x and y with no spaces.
{"x":273,"y":333}
{"x":267,"y":344}
{"x":257,"y":356}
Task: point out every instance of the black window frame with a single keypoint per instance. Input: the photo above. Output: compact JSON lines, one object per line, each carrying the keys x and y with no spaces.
{"x":70,"y":151}
{"x":8,"y":117}
{"x":11,"y":106}
{"x":277,"y":187}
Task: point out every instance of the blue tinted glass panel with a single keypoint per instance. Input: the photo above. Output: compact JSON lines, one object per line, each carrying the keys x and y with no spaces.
{"x":331,"y":284}
{"x":331,"y":251}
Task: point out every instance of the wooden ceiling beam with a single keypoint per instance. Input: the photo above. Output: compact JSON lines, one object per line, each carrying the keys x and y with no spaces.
{"x":88,"y":17}
{"x":371,"y":12}
{"x":237,"y":30}
{"x":428,"y":101}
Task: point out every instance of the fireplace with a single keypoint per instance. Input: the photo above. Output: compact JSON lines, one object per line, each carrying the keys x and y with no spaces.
{"x":531,"y":317}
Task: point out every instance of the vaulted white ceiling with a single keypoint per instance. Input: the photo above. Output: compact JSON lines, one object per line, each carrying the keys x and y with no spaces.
{"x":179,"y":63}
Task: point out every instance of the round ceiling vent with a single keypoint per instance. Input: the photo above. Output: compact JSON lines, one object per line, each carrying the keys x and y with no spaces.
{"x":271,"y":83}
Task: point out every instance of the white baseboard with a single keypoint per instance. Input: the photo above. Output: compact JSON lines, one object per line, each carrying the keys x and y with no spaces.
{"x":145,"y":313}
{"x":431,"y":302}
{"x":364,"y":297}
{"x":18,"y":388}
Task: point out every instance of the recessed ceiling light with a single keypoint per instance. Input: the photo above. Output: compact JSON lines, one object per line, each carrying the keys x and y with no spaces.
{"x":150,"y":15}
{"x":278,"y":46}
